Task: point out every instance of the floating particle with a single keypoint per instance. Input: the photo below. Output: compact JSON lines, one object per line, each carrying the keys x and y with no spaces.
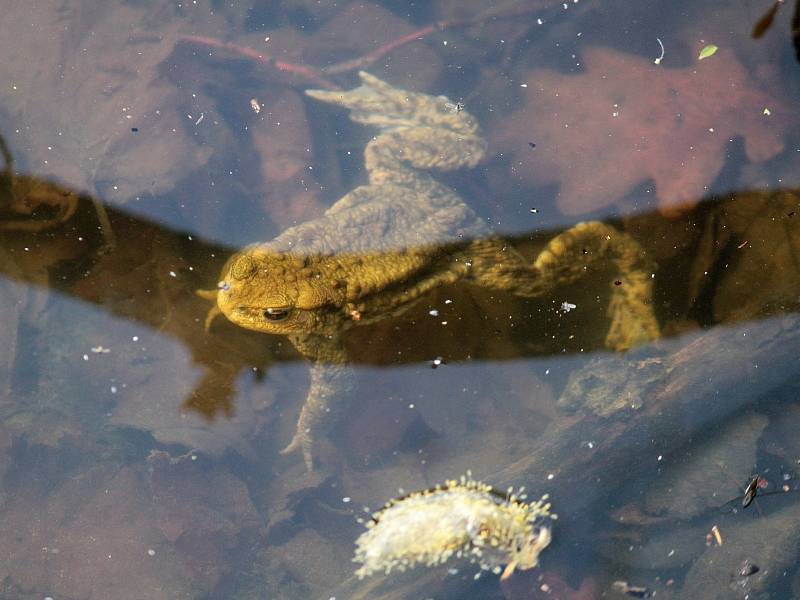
{"x":151,"y":552}
{"x":717,"y":535}
{"x":464,"y":518}
{"x":433,"y":313}
{"x":534,"y":211}
{"x":100,"y":350}
{"x":567,"y":306}
{"x":436,"y":362}
{"x":617,"y":282}
{"x":658,"y":60}
{"x":254,"y":103}
{"x":635,"y":591}
{"x":748,"y":568}
{"x":531,"y":144}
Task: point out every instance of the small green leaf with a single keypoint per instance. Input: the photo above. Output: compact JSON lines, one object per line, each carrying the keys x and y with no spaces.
{"x":708,"y":51}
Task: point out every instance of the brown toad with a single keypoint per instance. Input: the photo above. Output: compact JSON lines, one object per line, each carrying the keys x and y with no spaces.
{"x":388,"y":242}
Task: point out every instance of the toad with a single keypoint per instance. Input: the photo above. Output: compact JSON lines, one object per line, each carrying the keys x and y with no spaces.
{"x":387,"y":243}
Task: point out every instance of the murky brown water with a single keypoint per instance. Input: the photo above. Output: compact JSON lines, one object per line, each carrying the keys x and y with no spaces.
{"x":148,"y":142}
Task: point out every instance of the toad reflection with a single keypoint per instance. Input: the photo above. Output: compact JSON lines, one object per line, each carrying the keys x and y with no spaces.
{"x":386,"y":244}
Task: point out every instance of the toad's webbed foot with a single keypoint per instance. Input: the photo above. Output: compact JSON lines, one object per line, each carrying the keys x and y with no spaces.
{"x":416,"y":129}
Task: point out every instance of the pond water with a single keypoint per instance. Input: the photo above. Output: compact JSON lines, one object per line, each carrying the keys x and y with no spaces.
{"x":641,"y":371}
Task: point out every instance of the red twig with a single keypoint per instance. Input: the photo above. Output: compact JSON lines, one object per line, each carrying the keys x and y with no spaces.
{"x":309,"y":74}
{"x":364,"y":61}
{"x":317,"y":76}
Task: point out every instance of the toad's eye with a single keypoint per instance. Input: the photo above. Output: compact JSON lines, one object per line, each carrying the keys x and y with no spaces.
{"x":276,"y":314}
{"x":243,"y":267}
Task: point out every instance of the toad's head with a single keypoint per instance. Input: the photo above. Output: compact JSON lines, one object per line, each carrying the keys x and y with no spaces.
{"x":276,"y":293}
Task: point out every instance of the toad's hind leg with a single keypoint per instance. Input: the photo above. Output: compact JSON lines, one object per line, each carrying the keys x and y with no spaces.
{"x":567,"y":258}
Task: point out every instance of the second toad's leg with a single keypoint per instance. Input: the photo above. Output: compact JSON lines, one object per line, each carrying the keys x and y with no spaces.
{"x":566,"y":259}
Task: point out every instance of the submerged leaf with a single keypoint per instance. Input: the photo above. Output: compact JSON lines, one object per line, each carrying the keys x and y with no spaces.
{"x":657,"y":133}
{"x":765,"y":22}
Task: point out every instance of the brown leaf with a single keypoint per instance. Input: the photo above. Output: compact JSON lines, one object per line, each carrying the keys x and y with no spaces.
{"x":93,"y":82}
{"x":625,"y":121}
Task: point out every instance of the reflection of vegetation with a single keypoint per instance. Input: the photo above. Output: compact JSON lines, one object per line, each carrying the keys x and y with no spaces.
{"x":30,"y":203}
{"x":729,"y":242}
{"x":133,"y":279}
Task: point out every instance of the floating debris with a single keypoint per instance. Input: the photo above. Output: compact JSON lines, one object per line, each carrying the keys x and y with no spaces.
{"x":751,"y":491}
{"x":635,"y":591}
{"x":255,"y":105}
{"x":462,"y":518}
{"x":455,"y":108}
{"x":717,"y":535}
{"x":748,"y":568}
{"x":708,"y":51}
{"x":657,"y":61}
{"x":567,"y":306}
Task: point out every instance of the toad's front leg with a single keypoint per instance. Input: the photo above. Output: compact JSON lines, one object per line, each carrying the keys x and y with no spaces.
{"x":328,"y":394}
